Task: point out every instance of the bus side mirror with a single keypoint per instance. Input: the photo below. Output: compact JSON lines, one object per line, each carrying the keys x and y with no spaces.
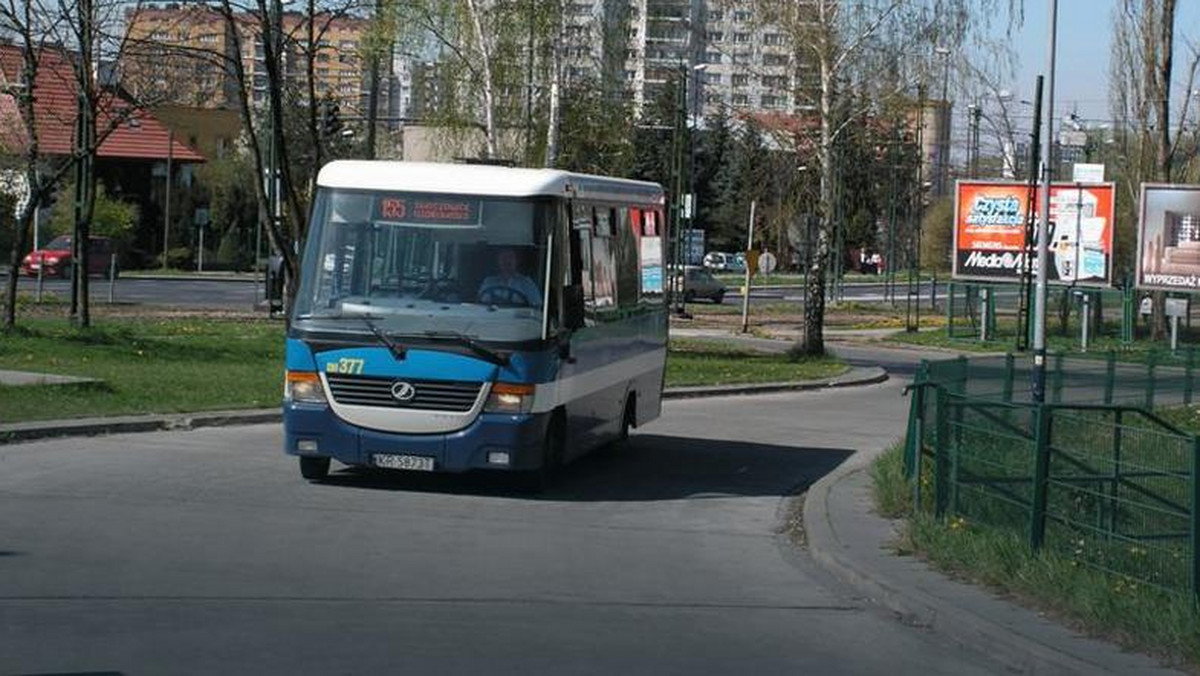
{"x":573,"y":306}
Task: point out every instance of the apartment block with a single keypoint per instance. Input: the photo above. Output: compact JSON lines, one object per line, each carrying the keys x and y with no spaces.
{"x":731,"y":59}
{"x":186,"y":54}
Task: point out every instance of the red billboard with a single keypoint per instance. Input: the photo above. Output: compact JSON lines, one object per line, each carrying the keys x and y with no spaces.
{"x":989,"y":231}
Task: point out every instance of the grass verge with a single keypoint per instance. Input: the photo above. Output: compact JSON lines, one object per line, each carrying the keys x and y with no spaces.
{"x":1112,"y":607}
{"x":147,"y":365}
{"x":175,"y":365}
{"x":703,"y":362}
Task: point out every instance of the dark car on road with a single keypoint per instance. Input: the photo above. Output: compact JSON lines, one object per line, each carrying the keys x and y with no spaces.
{"x":54,"y":259}
{"x":699,"y":283}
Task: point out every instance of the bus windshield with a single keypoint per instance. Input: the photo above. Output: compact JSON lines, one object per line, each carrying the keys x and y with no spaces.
{"x":427,"y":264}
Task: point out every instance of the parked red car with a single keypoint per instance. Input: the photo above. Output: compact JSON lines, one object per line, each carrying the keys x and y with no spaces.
{"x":55,"y":258}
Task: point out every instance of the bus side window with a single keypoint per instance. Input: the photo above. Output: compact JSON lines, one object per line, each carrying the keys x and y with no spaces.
{"x":627,"y":260}
{"x":581,"y":258}
{"x":604,"y":264}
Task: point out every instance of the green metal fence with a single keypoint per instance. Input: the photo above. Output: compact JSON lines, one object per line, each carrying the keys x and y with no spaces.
{"x":1096,"y":475}
{"x":975,"y":310}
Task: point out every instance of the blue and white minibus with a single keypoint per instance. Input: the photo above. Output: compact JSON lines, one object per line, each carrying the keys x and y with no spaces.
{"x":453,"y":317}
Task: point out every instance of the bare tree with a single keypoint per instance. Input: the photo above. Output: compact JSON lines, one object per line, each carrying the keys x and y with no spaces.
{"x":62,"y":40}
{"x":1140,"y":84}
{"x":879,"y":48}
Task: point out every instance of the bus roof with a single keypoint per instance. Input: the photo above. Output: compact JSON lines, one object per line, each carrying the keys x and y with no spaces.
{"x":480,"y":179}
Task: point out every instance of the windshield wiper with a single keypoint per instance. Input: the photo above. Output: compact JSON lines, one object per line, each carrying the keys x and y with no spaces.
{"x":487,"y":353}
{"x":398,"y":351}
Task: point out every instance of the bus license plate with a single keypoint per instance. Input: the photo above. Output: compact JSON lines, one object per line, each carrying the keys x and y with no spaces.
{"x":419,"y":463}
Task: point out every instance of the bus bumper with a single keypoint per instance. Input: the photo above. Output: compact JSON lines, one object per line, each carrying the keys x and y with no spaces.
{"x":314,"y":431}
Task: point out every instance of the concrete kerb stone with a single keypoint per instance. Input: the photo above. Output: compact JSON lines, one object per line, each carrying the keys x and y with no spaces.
{"x":31,"y":431}
{"x":851,"y":542}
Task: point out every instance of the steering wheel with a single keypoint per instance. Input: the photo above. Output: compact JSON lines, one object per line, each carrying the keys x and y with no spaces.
{"x":510,"y":296}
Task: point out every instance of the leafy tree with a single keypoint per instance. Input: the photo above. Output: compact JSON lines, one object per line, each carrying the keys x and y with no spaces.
{"x":596,"y":133}
{"x":111,"y":217}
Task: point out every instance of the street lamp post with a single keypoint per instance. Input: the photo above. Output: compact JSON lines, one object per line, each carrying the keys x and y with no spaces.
{"x":683,"y":159}
{"x":943,"y":139}
{"x":1043,"y":226}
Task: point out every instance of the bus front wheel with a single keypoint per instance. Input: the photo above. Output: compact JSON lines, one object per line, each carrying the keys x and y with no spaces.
{"x":314,"y":469}
{"x":537,"y":480}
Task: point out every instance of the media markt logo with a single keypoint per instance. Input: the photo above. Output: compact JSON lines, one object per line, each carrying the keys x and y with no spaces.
{"x":1007,"y":260}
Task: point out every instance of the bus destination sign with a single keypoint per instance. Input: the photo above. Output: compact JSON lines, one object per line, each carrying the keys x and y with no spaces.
{"x":412,"y":209}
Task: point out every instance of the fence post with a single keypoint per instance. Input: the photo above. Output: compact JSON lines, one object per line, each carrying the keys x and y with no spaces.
{"x":1189,"y":369}
{"x":1009,"y":376}
{"x":950,"y":310}
{"x":963,"y":372}
{"x":1114,"y":490}
{"x":1151,"y":366}
{"x":1195,"y":518}
{"x":1041,"y":468}
{"x":916,"y":423}
{"x":1057,"y":386}
{"x":942,"y":449}
{"x":1110,"y":376}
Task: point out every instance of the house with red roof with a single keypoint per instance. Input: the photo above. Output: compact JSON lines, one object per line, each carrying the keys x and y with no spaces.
{"x":135,"y":146}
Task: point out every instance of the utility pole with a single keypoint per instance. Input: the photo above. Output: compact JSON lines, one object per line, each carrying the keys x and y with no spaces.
{"x":1043,"y":228}
{"x":975,"y":142}
{"x":167,"y":199}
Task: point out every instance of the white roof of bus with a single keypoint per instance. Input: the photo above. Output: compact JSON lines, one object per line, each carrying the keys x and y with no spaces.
{"x":479,"y":179}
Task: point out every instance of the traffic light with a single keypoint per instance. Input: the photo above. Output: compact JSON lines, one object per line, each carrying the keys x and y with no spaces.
{"x":331,"y":121}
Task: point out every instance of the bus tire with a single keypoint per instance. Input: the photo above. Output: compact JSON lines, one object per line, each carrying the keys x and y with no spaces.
{"x":628,"y":419}
{"x":536,"y":481}
{"x":314,"y":469}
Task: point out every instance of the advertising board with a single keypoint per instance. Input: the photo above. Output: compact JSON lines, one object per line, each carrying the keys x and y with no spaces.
{"x":989,"y":232}
{"x":1169,"y":238}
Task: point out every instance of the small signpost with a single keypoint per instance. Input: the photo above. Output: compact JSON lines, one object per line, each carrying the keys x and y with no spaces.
{"x":1176,"y":308}
{"x":767,"y":263}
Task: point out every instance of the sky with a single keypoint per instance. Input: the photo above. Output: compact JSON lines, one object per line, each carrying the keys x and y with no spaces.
{"x":1084,"y":30}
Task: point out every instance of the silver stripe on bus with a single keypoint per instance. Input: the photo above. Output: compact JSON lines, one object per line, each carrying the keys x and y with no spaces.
{"x":548,"y":396}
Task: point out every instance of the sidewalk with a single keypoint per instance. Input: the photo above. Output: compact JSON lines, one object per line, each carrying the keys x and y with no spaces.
{"x":846,"y":537}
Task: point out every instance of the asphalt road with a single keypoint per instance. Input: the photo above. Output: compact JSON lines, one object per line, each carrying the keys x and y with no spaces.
{"x":184,"y":293}
{"x":242,"y":295}
{"x":204,"y":552}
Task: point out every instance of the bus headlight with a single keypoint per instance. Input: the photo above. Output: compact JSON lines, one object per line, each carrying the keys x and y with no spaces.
{"x":510,"y":398}
{"x":304,"y":387}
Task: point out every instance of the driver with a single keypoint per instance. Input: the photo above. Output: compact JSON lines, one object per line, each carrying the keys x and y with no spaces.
{"x":492,"y":288}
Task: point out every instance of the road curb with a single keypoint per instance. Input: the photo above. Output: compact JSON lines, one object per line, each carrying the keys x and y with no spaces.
{"x":999,"y":638}
{"x":852,"y":378}
{"x":190,"y":278}
{"x":85,"y":427}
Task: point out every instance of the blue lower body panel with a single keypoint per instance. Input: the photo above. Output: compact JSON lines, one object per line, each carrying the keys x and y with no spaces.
{"x":521,"y":436}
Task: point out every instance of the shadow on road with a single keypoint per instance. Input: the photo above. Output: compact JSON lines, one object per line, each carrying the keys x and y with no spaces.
{"x":651,"y":467}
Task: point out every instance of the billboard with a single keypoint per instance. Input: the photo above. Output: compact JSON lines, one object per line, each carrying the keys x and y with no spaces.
{"x":1169,"y":238}
{"x":989,"y":232}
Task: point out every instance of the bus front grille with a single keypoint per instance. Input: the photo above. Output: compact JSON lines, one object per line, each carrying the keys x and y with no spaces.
{"x":430,"y":395}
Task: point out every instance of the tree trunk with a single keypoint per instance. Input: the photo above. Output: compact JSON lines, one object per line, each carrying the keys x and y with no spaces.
{"x":1162,"y":106}
{"x":552,"y":126}
{"x":489,"y":124}
{"x":813,"y":340}
{"x":373,"y":92}
{"x":20,"y":243}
